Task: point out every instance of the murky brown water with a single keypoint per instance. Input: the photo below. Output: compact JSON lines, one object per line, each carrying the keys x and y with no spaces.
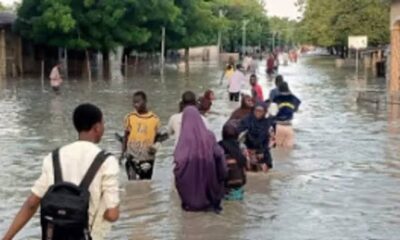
{"x":342,"y":180}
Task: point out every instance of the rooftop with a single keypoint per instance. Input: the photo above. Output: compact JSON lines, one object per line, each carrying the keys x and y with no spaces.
{"x":7,"y":18}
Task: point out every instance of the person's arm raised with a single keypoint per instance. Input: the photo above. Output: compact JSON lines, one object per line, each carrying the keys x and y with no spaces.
{"x":24,"y":215}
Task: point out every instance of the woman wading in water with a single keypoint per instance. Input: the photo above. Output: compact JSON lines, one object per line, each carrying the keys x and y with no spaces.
{"x":200,"y":168}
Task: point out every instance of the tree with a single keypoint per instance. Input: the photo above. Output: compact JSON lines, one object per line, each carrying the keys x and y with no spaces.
{"x":78,"y":24}
{"x":286,"y":30}
{"x":238,"y":11}
{"x":329,"y":23}
{"x":196,"y":25}
{"x":156,"y":14}
{"x":95,"y":25}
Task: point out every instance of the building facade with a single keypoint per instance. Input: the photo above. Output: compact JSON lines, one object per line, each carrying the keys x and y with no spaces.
{"x":394,"y":81}
{"x":11,"y":63}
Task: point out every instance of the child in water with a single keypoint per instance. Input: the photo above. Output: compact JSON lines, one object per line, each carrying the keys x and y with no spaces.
{"x":141,"y":128}
{"x":259,"y":131}
{"x":235,"y":161}
{"x":205,"y":102}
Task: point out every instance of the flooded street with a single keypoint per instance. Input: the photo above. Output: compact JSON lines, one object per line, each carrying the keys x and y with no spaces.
{"x":341,"y":181}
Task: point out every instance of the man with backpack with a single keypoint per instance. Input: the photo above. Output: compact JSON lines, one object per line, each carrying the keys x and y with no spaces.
{"x":78,"y":190}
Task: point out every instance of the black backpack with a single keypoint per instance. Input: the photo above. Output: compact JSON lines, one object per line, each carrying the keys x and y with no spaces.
{"x":64,"y":208}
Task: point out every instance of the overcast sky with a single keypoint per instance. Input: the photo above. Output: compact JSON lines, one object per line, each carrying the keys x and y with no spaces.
{"x":281,"y":8}
{"x":7,"y":2}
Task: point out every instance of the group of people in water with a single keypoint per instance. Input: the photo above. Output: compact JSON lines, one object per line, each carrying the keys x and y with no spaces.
{"x":206,"y":170}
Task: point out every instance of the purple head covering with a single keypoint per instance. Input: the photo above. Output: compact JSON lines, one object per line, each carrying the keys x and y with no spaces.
{"x":199,"y":164}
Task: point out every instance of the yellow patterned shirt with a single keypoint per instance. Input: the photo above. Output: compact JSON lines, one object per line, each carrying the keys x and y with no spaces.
{"x":142,"y":130}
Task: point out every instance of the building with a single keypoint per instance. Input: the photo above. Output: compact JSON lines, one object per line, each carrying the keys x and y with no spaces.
{"x":11,"y":63}
{"x":394,"y":81}
{"x":20,"y":56}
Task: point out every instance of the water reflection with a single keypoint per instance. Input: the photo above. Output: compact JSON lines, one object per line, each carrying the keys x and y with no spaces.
{"x":339,"y":182}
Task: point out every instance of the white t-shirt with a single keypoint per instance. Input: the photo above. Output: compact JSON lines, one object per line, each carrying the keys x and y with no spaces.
{"x":75,"y":160}
{"x":237,"y":81}
{"x":175,"y":124}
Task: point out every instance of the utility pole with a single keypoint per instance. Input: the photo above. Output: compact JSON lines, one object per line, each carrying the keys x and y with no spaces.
{"x":162,"y":57}
{"x":221,"y":15}
{"x":357,"y":62}
{"x":278,"y":41}
{"x":273,"y":41}
{"x":245,"y":22}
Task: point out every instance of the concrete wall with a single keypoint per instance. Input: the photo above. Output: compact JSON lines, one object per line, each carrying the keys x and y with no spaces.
{"x":224,"y":57}
{"x":10,"y":53}
{"x":205,"y":53}
{"x":13,"y":52}
{"x":394,"y":12}
{"x":394,"y":79}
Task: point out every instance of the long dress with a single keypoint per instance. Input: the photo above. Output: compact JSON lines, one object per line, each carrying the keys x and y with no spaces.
{"x":200,"y":168}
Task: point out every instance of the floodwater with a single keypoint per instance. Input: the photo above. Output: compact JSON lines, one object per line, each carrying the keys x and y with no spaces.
{"x":341,"y":181}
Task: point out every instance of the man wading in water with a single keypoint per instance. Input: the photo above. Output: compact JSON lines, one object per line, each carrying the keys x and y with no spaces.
{"x":175,"y":122}
{"x":141,"y":128}
{"x":55,"y":78}
{"x":75,"y":162}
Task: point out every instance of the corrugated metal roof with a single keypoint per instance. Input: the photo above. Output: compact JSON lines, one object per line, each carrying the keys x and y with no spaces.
{"x":7,"y":18}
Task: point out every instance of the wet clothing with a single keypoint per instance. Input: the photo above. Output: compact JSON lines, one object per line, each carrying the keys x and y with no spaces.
{"x":75,"y":160}
{"x":258,"y":93}
{"x":237,"y":81}
{"x":243,"y":111}
{"x":56,"y":89}
{"x":205,"y":102}
{"x":204,"y":105}
{"x":235,"y":194}
{"x":276,"y":63}
{"x":247,"y":62}
{"x":142,"y":130}
{"x":273,"y":93}
{"x":175,"y":125}
{"x":253,"y":67}
{"x":258,"y":135}
{"x":234,"y":97}
{"x":55,"y":78}
{"x":236,"y":163}
{"x":288,"y":104}
{"x":200,"y":168}
{"x":142,"y":169}
{"x":229,"y":73}
{"x":270,"y":65}
{"x":284,"y":136}
{"x":285,"y":58}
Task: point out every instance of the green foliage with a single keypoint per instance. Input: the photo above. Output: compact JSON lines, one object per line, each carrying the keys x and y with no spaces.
{"x":93,"y":24}
{"x":238,"y":11}
{"x":155,"y":15}
{"x":136,"y":24}
{"x":328,"y":23}
{"x":2,"y":7}
{"x":285,"y":29}
{"x":196,"y":25}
